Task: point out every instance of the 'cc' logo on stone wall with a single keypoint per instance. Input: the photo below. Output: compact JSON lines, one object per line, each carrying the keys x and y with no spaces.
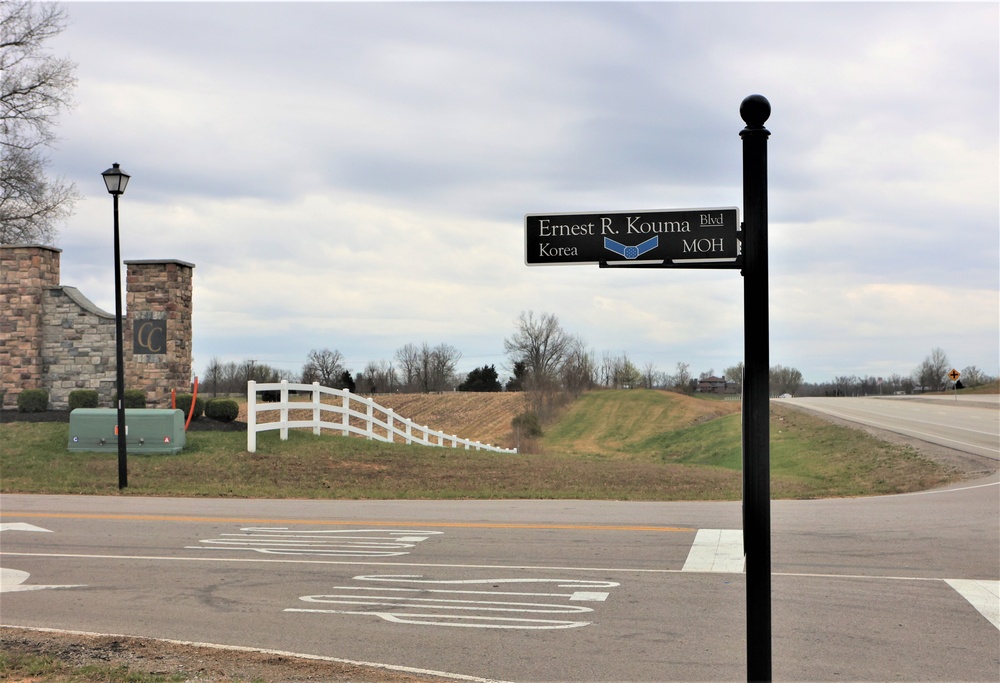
{"x":150,"y":336}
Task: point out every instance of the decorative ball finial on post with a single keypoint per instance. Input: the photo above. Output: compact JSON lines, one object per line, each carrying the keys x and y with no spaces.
{"x":755,"y":110}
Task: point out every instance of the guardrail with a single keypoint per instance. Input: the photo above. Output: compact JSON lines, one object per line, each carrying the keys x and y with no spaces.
{"x":376,"y":422}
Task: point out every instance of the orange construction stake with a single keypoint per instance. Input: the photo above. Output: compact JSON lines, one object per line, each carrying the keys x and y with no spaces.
{"x":194,"y":398}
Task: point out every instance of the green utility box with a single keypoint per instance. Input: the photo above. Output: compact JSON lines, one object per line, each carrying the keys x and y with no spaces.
{"x":146,"y":430}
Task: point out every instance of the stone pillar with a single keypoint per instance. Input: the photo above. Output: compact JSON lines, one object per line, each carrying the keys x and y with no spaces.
{"x":25,"y":271}
{"x":157,"y":328}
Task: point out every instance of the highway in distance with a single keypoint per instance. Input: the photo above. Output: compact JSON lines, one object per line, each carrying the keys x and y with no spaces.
{"x":970,"y":423}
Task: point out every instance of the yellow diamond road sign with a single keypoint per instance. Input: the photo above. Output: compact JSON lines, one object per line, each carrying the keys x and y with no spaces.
{"x":954,"y":375}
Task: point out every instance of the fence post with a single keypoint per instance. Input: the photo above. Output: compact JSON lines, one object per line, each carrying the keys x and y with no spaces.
{"x":284,"y":410}
{"x":454,"y":440}
{"x":388,"y":420}
{"x":251,"y":417}
{"x":409,"y":432}
{"x":346,"y":419}
{"x":317,"y":418}
{"x":370,"y":414}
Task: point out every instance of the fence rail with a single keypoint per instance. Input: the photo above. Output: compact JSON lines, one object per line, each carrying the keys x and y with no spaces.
{"x":378,"y":423}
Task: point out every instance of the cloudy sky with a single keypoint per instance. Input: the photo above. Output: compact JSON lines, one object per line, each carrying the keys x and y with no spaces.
{"x":355,"y":175}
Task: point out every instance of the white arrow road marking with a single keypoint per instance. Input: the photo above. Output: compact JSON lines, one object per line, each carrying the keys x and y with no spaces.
{"x":562,"y":583}
{"x":324,"y":542}
{"x":21,"y":526}
{"x":452,"y":611}
{"x":716,"y":550}
{"x":12,"y":581}
{"x":984,"y":596}
{"x":459,"y":620}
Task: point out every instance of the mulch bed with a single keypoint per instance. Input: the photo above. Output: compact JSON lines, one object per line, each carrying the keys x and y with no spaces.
{"x":201,"y":424}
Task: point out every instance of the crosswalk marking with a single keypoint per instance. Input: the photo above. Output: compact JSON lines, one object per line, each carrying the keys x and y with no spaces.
{"x":984,"y":596}
{"x":716,"y":550}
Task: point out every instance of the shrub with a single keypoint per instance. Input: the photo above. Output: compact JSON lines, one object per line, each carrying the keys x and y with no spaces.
{"x":184,"y":404}
{"x":222,"y":409}
{"x":33,"y":401}
{"x":527,"y":424}
{"x":134,"y":398}
{"x":83,"y":398}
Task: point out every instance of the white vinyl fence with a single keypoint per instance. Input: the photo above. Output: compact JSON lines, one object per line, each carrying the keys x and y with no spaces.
{"x":380,"y":424}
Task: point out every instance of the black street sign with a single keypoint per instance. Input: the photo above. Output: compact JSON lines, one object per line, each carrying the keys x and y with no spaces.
{"x":698,"y":238}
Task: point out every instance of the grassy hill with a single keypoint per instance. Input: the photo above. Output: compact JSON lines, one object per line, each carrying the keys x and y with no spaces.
{"x":608,"y":445}
{"x":483,"y":417}
{"x":629,"y":423}
{"x":810,"y":456}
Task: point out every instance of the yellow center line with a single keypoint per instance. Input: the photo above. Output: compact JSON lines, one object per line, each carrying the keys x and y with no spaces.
{"x":359,"y":522}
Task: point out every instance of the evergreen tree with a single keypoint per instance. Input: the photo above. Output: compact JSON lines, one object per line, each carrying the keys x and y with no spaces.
{"x":482,"y":379}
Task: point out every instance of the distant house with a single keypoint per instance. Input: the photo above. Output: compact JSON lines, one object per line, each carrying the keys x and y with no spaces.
{"x":716,"y":385}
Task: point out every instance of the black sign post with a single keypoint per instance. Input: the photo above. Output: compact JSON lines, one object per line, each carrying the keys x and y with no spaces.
{"x":755,"y":110}
{"x":703,"y":238}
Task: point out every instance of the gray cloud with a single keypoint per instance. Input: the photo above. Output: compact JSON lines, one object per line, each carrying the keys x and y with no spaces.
{"x":354,"y":175}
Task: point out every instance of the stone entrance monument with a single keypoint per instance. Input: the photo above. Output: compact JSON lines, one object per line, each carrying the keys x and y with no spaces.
{"x":52,"y":337}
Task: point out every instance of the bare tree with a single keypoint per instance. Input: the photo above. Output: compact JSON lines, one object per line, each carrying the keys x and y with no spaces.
{"x":651,"y":377}
{"x":542,"y":344}
{"x":232,"y":378}
{"x":931,"y":373}
{"x":408,"y":358}
{"x":620,"y":372}
{"x":785,"y":380}
{"x":734,"y":374}
{"x":845,"y":385}
{"x":442,"y":361}
{"x":323,"y":366}
{"x":378,"y":377}
{"x":974,"y":377}
{"x":681,"y":380}
{"x":214,"y":376}
{"x":578,"y":369}
{"x":34,"y":88}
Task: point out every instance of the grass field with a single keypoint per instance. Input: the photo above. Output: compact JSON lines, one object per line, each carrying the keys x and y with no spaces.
{"x":608,"y":445}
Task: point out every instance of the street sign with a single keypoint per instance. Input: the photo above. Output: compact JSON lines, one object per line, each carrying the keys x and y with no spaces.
{"x":692,"y":238}
{"x":954,"y":375}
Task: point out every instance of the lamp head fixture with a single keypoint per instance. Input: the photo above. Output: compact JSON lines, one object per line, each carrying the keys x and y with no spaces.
{"x":116,"y":179}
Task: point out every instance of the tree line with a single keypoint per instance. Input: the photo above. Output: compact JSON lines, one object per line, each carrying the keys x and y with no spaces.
{"x":552,"y":366}
{"x":544,"y":360}
{"x":931,"y":375}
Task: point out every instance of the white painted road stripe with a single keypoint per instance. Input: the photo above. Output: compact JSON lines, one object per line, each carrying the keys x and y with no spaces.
{"x":716,"y":550}
{"x":984,"y":596}
{"x":13,"y":581}
{"x":21,"y":526}
{"x":431,"y":565}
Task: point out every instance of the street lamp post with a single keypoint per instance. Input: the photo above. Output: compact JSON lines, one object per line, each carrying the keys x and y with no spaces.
{"x":116,"y":179}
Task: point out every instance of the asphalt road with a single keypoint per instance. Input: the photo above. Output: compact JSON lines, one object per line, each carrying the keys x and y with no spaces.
{"x":970,"y":424}
{"x":875,"y":589}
